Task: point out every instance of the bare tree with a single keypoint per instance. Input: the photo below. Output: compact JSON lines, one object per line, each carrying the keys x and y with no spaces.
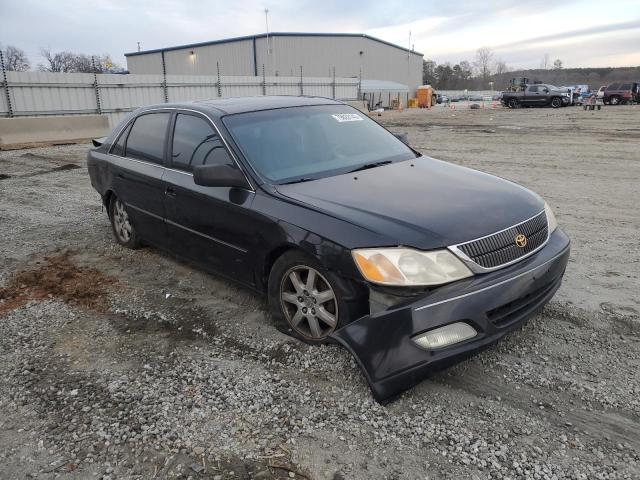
{"x":544,"y":64}
{"x":428,"y":72}
{"x":557,"y":64}
{"x":56,"y":62}
{"x":15,"y":59}
{"x":500,"y":67}
{"x":484,"y":59}
{"x":77,"y":63}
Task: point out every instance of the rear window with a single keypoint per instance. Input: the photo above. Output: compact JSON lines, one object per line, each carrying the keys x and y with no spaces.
{"x":147,"y":137}
{"x":625,"y":86}
{"x":118,"y":147}
{"x":613,"y":86}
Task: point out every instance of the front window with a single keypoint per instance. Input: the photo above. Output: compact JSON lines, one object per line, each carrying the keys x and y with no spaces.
{"x":195,"y":143}
{"x":300,"y":143}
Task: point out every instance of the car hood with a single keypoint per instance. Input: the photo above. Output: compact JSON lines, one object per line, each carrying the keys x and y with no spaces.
{"x":423,"y":203}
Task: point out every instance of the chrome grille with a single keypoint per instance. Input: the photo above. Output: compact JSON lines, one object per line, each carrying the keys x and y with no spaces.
{"x":500,"y":248}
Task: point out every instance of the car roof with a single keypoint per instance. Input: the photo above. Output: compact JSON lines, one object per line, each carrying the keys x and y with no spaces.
{"x":229,"y":106}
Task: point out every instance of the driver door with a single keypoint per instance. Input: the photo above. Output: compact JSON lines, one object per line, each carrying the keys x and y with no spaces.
{"x":211,"y":226}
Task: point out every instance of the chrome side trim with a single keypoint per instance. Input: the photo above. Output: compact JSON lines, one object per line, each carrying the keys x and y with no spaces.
{"x":476,"y":268}
{"x":213,"y":239}
{"x":146,"y":212}
{"x":179,"y":171}
{"x":452,"y":299}
{"x":195,"y":232}
{"x":144,"y":162}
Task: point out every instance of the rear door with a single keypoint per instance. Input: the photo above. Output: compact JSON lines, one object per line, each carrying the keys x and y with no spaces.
{"x":531,"y":95}
{"x":139,"y":168}
{"x":213,"y":226}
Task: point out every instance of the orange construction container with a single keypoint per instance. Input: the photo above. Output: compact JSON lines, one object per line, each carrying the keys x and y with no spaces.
{"x":425,"y":93}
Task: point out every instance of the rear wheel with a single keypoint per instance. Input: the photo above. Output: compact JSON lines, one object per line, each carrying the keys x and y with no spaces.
{"x":123,"y":230}
{"x":308,"y":301}
{"x":556,"y":102}
{"x":513,"y":103}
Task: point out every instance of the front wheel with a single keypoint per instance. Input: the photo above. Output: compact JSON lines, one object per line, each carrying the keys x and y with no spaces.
{"x":308,"y":301}
{"x":556,"y":102}
{"x":513,"y":103}
{"x":615,"y":100}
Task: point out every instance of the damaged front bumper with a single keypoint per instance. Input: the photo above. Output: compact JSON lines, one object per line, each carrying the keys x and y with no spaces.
{"x":494,"y":304}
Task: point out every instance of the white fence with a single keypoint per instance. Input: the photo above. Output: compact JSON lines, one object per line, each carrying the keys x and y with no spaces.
{"x":42,"y":93}
{"x":468,"y":93}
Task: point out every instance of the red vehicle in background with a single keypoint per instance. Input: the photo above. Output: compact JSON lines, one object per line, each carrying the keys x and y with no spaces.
{"x":622,"y":93}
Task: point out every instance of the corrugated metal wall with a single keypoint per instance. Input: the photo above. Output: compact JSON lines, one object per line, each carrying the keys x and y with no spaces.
{"x":317,"y":55}
{"x":236,"y":58}
{"x":39,"y":93}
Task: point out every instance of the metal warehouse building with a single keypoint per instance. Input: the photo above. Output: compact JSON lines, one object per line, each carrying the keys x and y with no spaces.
{"x":284,"y":54}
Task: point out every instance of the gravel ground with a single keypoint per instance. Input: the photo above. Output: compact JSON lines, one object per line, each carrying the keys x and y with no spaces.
{"x":130,"y":364}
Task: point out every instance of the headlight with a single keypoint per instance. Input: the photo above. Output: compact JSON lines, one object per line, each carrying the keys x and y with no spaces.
{"x":408,"y":267}
{"x":552,"y":223}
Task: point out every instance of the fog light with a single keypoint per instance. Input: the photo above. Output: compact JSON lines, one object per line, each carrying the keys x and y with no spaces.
{"x":447,"y":335}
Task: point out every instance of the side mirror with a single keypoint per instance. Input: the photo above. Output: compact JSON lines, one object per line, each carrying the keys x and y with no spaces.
{"x":403,"y":137}
{"x":219,"y":176}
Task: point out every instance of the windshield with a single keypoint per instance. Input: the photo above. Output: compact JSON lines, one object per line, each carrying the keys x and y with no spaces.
{"x":306,"y":143}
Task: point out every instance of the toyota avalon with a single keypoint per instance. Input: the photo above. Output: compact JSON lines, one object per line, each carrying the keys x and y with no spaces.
{"x":409,"y":262}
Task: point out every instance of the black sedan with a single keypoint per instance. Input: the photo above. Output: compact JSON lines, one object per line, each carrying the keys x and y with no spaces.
{"x":410,"y":263}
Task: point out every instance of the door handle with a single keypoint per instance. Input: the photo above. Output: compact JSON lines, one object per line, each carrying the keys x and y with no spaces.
{"x":170,"y":192}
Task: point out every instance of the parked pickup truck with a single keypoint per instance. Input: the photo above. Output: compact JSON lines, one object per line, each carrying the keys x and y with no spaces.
{"x":622,"y":93}
{"x":536,"y":96}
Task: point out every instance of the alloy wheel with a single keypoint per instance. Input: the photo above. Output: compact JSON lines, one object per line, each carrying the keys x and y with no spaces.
{"x":308,"y":302}
{"x":121,"y":223}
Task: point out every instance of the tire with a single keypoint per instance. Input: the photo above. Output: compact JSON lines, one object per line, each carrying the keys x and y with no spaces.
{"x":309,"y":302}
{"x":614,"y":100}
{"x":123,"y":230}
{"x":513,"y":103}
{"x":556,"y":102}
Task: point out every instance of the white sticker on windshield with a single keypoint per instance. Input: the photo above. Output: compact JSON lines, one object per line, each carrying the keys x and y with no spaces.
{"x":347,"y":117}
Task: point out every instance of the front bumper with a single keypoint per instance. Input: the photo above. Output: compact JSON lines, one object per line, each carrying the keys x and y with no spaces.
{"x":494,"y":304}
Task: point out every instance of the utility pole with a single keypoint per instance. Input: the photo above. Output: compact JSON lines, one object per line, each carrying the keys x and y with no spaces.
{"x":138,"y":46}
{"x":271,"y":51}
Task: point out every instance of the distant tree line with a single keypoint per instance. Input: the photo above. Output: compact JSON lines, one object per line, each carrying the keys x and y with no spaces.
{"x":486,"y":72}
{"x":476,"y":75}
{"x":15,"y":59}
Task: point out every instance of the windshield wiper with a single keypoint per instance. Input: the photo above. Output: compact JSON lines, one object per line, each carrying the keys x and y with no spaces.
{"x":297,"y":180}
{"x":367,"y":166}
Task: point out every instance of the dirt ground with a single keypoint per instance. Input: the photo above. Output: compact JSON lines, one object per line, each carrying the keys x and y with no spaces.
{"x":130,"y":364}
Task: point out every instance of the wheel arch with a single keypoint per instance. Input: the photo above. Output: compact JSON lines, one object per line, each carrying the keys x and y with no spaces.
{"x":271,"y":257}
{"x":106,"y":199}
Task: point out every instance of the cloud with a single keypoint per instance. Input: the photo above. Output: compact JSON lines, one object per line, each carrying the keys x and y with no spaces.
{"x":441,"y":30}
{"x":607,"y":28}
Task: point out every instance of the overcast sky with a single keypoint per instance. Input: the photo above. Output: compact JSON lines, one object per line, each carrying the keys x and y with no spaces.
{"x":581,"y":33}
